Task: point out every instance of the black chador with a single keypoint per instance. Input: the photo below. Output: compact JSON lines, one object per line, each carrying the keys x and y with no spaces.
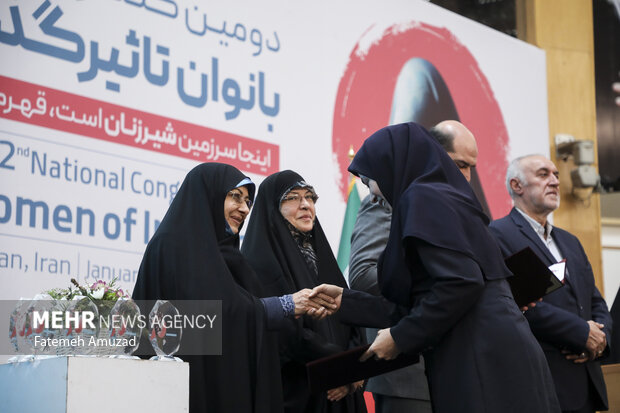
{"x":286,"y":261}
{"x":192,"y":257}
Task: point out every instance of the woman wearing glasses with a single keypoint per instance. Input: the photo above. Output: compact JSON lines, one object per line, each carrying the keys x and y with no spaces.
{"x":194,"y":255}
{"x":287,"y":248}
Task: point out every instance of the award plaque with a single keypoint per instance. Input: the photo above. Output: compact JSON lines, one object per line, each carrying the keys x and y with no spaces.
{"x":124,"y":327}
{"x":164,"y":335}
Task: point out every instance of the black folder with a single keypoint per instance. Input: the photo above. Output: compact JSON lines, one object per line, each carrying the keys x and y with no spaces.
{"x":344,"y":368}
{"x":532,"y":279}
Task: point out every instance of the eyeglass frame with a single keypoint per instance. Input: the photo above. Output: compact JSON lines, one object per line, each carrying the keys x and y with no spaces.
{"x":238,"y":199}
{"x":311,"y":197}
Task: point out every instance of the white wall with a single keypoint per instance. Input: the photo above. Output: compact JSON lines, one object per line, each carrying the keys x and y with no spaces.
{"x":610,"y":241}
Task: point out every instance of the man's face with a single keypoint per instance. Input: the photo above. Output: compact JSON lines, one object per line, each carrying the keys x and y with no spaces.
{"x":465,"y":153}
{"x":540,"y":193}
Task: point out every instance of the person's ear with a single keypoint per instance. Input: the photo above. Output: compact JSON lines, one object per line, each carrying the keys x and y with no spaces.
{"x":516,"y":186}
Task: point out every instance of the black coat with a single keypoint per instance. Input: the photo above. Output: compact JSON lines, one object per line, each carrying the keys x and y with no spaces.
{"x":559,"y":322}
{"x":192,"y":257}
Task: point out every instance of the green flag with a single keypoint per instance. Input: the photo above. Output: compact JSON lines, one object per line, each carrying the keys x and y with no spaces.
{"x":350,"y":215}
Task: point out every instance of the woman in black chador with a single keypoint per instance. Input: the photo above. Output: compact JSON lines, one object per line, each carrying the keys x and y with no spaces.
{"x":444,"y":269}
{"x":287,"y":248}
{"x":194,"y":255}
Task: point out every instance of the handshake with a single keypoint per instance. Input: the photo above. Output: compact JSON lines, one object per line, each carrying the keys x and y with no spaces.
{"x":320,"y":302}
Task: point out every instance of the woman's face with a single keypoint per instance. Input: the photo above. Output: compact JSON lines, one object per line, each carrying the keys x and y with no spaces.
{"x":237,"y":207}
{"x":298,"y":207}
{"x":375,"y":191}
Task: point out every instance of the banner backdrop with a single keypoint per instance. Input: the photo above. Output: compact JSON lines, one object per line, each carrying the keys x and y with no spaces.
{"x":105,"y":105}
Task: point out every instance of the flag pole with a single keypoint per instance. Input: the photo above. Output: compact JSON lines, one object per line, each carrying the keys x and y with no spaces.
{"x":350,"y":215}
{"x":351,"y":155}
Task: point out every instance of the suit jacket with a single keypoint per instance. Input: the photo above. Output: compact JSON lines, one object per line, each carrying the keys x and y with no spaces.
{"x":559,"y":322}
{"x":368,"y":240}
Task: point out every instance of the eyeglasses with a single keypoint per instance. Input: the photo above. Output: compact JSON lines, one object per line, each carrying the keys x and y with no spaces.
{"x":239,"y":199}
{"x":310,"y":198}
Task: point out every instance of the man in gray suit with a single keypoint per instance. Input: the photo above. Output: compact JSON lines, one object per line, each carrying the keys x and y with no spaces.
{"x":404,"y":390}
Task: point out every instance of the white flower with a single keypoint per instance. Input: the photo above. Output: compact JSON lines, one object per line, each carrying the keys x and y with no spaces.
{"x":98,"y":293}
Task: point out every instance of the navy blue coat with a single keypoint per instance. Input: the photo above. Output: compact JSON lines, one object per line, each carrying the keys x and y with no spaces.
{"x":559,"y":322}
{"x":444,"y":268}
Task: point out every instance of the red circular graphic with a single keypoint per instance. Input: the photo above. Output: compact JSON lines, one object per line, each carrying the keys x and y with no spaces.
{"x":365,"y":93}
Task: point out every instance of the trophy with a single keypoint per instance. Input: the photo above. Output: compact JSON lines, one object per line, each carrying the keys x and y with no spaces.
{"x":38,"y":326}
{"x":124,"y":328}
{"x":81,"y":333}
{"x":16,"y":330}
{"x":164,"y":336}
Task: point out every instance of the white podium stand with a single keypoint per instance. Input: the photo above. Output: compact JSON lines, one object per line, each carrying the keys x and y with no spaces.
{"x":94,"y":384}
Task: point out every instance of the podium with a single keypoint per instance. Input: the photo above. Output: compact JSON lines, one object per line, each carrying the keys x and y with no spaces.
{"x":93,"y":384}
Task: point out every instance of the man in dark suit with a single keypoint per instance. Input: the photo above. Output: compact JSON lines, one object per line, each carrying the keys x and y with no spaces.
{"x":572,"y":323}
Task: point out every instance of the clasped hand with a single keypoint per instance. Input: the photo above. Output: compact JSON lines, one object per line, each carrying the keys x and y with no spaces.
{"x":316,"y":304}
{"x":595,"y":345}
{"x":338,"y":393}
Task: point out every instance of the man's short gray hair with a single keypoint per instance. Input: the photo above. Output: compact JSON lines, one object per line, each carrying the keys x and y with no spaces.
{"x":515,"y":171}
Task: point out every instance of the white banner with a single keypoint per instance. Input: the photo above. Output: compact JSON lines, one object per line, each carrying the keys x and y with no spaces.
{"x":105,"y":105}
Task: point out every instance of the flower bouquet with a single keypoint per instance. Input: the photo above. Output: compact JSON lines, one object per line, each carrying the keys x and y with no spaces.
{"x":99,"y":291}
{"x":115,"y":331}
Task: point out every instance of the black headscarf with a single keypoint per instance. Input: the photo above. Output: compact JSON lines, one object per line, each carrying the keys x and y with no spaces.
{"x":192,"y":257}
{"x":274,"y":254}
{"x":431,"y":201}
{"x":271,"y":250}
